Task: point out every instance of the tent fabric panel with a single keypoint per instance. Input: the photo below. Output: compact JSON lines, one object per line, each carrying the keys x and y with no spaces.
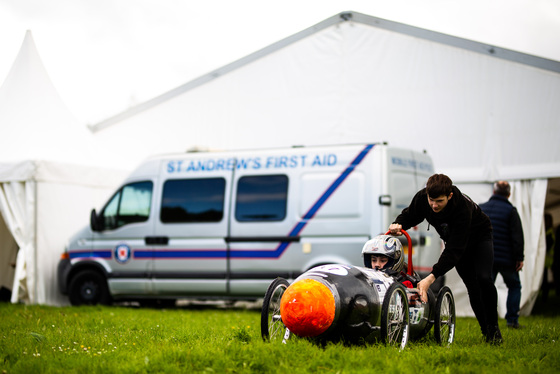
{"x":64,"y":173}
{"x":335,"y":21}
{"x":38,"y":124}
{"x":28,"y":99}
{"x":62,"y":210}
{"x":351,"y":83}
{"x":8,"y":253}
{"x":40,"y":203}
{"x":17,"y":206}
{"x":61,"y":172}
{"x":530,"y":201}
{"x":17,"y":171}
{"x":42,"y":215}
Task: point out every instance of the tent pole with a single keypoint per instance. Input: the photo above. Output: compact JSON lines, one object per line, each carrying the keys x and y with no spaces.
{"x":35,"y":251}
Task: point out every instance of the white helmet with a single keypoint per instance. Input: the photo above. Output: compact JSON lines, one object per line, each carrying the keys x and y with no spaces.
{"x":385,"y":245}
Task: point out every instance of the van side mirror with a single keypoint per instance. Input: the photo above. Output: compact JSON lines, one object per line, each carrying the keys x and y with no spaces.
{"x":95,"y":221}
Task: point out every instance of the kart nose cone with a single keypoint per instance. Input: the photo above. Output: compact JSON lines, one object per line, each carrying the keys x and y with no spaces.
{"x":307,"y":308}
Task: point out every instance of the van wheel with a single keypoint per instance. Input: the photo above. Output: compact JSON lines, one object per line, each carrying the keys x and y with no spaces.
{"x":89,"y":288}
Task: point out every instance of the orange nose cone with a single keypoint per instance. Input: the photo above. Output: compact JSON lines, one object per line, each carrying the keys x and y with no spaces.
{"x":307,"y":308}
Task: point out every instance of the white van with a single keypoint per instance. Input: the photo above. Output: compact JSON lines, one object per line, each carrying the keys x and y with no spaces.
{"x":224,"y":225}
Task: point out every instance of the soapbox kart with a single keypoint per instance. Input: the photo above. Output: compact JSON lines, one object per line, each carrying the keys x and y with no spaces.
{"x":356,"y":304}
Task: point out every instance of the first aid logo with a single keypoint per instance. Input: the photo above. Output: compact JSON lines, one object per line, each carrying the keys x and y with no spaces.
{"x":122,"y":253}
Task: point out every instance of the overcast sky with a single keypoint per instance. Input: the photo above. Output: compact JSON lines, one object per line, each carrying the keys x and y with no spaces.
{"x":106,"y":55}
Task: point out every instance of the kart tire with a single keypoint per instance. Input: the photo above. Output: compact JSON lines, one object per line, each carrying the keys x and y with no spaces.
{"x":444,"y":321}
{"x":272,"y":327}
{"x":394,"y":317}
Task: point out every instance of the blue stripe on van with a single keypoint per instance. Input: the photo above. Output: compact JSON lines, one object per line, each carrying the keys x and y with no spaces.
{"x":260,"y":253}
{"x":307,"y":216}
{"x":89,"y":254}
{"x":181,"y":253}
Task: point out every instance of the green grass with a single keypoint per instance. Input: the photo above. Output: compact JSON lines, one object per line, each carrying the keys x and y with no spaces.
{"x":39,"y":339}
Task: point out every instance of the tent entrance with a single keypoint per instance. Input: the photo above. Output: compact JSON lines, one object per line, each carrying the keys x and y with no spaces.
{"x":8,"y":254}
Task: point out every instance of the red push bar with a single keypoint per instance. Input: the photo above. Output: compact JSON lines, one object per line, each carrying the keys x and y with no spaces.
{"x":410,"y":270}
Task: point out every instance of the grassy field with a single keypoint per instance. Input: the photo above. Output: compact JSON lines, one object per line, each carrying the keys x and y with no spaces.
{"x":39,"y":339}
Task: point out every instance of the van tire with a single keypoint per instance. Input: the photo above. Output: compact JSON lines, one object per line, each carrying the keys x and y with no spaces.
{"x":89,"y":287}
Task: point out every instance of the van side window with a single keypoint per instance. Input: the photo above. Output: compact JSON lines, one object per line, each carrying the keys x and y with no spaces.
{"x":261,"y":198}
{"x":131,"y":204}
{"x":193,"y":200}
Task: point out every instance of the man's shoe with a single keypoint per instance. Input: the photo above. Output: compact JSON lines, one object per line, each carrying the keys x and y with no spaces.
{"x":493,"y":335}
{"x":515,"y":325}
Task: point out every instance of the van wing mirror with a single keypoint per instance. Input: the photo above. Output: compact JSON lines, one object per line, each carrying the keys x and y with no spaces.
{"x":95,"y":221}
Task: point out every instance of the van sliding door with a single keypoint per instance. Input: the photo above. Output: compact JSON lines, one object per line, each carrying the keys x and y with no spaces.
{"x":258,"y":230}
{"x":191,"y":257}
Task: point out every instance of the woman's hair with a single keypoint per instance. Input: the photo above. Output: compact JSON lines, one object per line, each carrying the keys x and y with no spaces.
{"x":438,"y":185}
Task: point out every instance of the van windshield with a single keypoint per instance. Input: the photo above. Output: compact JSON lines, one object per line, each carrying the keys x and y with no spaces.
{"x":131,"y":204}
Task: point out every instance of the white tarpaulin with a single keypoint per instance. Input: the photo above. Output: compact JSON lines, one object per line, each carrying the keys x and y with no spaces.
{"x":479,"y":114}
{"x":482,"y":112}
{"x":43,"y":198}
{"x":17,"y":206}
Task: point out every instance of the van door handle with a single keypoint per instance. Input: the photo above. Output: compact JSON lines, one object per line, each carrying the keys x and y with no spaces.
{"x":161,"y":240}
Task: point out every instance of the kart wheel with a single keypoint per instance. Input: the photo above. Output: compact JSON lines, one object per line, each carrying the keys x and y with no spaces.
{"x":272,"y":327}
{"x":444,"y":324}
{"x":395,"y":317}
{"x":89,"y":288}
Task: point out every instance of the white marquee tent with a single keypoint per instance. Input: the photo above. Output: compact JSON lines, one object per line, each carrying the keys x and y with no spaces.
{"x":483,"y":113}
{"x":50,"y":178}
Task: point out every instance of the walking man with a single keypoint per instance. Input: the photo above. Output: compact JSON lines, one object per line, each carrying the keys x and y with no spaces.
{"x":508,"y":246}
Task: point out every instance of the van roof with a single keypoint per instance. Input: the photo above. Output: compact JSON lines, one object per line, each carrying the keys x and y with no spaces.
{"x":202,"y":150}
